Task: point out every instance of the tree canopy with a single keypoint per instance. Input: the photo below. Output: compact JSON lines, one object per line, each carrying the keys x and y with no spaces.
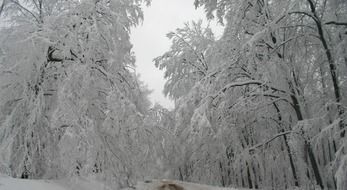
{"x":261,"y":107}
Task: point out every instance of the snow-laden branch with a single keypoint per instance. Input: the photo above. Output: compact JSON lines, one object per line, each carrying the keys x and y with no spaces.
{"x":245,"y":83}
{"x":203,"y":63}
{"x":309,"y":14}
{"x":285,"y":42}
{"x":269,"y":140}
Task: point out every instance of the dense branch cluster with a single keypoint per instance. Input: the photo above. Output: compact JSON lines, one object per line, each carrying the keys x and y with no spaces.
{"x":269,"y":110}
{"x":262,"y":107}
{"x":71,"y":104}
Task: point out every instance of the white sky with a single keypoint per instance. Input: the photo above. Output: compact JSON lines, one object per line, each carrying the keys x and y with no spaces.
{"x":150,"y":41}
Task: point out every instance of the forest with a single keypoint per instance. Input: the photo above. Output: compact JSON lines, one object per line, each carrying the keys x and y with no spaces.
{"x":262,"y":107}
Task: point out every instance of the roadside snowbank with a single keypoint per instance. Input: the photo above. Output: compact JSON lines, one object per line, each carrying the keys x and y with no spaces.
{"x":9,"y":183}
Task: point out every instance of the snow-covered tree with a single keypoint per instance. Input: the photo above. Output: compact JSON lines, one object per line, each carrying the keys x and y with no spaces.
{"x":70,"y":101}
{"x":270,"y":110}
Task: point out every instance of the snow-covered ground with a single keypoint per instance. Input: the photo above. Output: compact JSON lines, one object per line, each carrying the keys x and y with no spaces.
{"x":8,"y":183}
{"x":175,"y":185}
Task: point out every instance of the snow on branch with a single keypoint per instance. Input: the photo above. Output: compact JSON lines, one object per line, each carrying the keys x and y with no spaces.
{"x":309,"y":14}
{"x":245,"y":83}
{"x":271,"y":139}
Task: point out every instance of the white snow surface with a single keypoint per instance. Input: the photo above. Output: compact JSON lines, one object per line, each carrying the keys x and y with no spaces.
{"x":9,"y":183}
{"x":163,"y":185}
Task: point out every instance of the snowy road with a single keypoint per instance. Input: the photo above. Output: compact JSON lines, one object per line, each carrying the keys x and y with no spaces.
{"x":176,"y":185}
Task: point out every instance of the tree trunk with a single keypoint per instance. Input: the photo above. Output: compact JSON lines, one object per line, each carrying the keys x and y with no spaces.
{"x":332,"y":66}
{"x":291,"y":160}
{"x":297,"y":108}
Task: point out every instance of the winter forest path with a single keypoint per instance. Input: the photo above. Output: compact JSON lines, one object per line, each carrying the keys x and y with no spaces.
{"x":176,"y":185}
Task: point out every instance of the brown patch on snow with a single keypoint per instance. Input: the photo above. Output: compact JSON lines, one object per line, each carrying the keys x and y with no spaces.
{"x":170,"y":186}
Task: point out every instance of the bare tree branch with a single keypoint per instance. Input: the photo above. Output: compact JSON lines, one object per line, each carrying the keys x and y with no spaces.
{"x":2,"y":6}
{"x":21,"y":7}
{"x":336,"y":23}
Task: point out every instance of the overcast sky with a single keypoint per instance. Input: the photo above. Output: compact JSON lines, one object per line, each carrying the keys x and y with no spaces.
{"x":150,"y":41}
